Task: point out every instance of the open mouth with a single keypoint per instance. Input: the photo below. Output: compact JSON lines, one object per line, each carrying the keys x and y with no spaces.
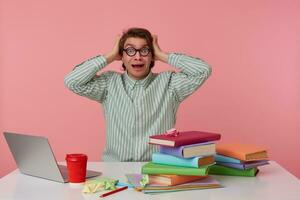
{"x":138,"y":66}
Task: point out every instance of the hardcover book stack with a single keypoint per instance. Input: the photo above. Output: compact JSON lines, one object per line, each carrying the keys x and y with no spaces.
{"x":239,"y":160}
{"x":182,"y":162}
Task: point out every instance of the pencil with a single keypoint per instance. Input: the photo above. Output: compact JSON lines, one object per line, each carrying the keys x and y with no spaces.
{"x":114,"y":191}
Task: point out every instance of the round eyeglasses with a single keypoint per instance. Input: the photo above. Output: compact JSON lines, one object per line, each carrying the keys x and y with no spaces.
{"x":130,"y":51}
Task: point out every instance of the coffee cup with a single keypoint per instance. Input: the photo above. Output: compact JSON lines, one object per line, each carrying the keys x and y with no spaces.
{"x":76,"y":165}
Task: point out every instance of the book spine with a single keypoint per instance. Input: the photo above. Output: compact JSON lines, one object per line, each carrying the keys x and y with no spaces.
{"x":175,"y":170}
{"x":222,"y":170}
{"x":175,"y":151}
{"x":232,"y":165}
{"x":166,"y":159}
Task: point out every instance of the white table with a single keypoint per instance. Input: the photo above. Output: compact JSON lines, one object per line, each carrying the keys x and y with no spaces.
{"x":273,"y":182}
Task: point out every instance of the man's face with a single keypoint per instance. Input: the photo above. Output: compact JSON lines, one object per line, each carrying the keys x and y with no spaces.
{"x":137,"y":66}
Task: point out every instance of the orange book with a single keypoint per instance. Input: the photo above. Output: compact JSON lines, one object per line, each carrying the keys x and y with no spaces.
{"x":170,"y":180}
{"x":244,"y":152}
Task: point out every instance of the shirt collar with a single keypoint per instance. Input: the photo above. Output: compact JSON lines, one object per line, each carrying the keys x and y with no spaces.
{"x":131,"y":83}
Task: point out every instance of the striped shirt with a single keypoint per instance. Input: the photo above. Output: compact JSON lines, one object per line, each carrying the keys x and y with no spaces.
{"x":137,"y":109}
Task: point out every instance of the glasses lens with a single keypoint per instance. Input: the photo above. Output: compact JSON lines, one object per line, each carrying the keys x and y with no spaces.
{"x":144,"y":51}
{"x":130,"y":51}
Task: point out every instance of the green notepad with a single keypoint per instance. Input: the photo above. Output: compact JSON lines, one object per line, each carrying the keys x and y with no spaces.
{"x":222,"y":170}
{"x":151,"y":168}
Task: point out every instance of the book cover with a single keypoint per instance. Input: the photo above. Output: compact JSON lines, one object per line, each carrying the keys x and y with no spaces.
{"x":221,"y":158}
{"x":152,"y":168}
{"x":245,"y":165}
{"x":166,"y":159}
{"x":171,"y":180}
{"x":205,"y":183}
{"x":222,"y":170}
{"x":191,"y":150}
{"x":244,"y":152}
{"x":183,"y":138}
{"x":180,"y":189}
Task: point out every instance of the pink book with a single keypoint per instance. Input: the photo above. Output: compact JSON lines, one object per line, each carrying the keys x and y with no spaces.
{"x":174,"y":138}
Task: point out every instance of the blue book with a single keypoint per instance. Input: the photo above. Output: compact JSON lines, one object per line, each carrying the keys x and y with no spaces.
{"x":221,"y":158}
{"x":246,"y":165}
{"x":196,"y":162}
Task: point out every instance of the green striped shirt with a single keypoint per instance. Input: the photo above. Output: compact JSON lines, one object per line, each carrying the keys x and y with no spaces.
{"x":137,"y":109}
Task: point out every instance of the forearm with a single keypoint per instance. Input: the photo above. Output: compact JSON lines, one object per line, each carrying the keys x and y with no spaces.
{"x":189,"y":65}
{"x":193,"y":74}
{"x":84,"y":72}
{"x":162,"y":56}
{"x":110,"y":57}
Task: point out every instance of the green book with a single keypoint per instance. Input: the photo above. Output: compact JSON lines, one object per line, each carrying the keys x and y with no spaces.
{"x":222,"y":170}
{"x":151,"y":168}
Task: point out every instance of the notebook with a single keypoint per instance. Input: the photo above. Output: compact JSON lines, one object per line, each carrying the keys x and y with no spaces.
{"x":34,"y":157}
{"x":205,"y":183}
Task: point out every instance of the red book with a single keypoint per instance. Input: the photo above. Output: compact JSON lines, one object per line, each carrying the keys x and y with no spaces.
{"x":174,"y":138}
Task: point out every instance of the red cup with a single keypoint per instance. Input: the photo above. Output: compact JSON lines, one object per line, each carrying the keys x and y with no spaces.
{"x":76,"y":164}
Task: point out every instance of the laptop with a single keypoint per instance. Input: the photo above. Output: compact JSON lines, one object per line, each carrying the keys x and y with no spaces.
{"x":34,"y":157}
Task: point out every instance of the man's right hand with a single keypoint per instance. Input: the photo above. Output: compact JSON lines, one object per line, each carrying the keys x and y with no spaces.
{"x":114,"y":53}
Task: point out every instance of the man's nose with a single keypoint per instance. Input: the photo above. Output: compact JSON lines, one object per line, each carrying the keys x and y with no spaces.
{"x":137,"y":56}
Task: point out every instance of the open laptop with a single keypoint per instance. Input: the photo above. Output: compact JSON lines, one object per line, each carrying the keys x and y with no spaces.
{"x":34,"y":156}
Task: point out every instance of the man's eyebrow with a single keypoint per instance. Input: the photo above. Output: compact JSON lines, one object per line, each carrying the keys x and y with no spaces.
{"x":145,"y":45}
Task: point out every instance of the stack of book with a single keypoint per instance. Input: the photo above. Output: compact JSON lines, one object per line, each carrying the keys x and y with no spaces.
{"x":239,"y":160}
{"x":182,"y":162}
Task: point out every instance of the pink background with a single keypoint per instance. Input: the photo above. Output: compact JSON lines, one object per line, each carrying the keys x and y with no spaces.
{"x":253,"y":95}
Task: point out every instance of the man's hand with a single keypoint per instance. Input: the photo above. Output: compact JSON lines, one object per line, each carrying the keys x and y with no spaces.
{"x":114,"y":53}
{"x":159,"y":54}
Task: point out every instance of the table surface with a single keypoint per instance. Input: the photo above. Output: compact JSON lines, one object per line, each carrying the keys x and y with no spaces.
{"x":272,"y":182}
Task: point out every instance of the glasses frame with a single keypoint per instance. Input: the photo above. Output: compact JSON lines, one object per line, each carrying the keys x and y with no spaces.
{"x":137,"y":50}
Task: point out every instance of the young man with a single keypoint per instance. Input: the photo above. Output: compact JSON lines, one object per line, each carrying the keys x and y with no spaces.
{"x":137,"y":103}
